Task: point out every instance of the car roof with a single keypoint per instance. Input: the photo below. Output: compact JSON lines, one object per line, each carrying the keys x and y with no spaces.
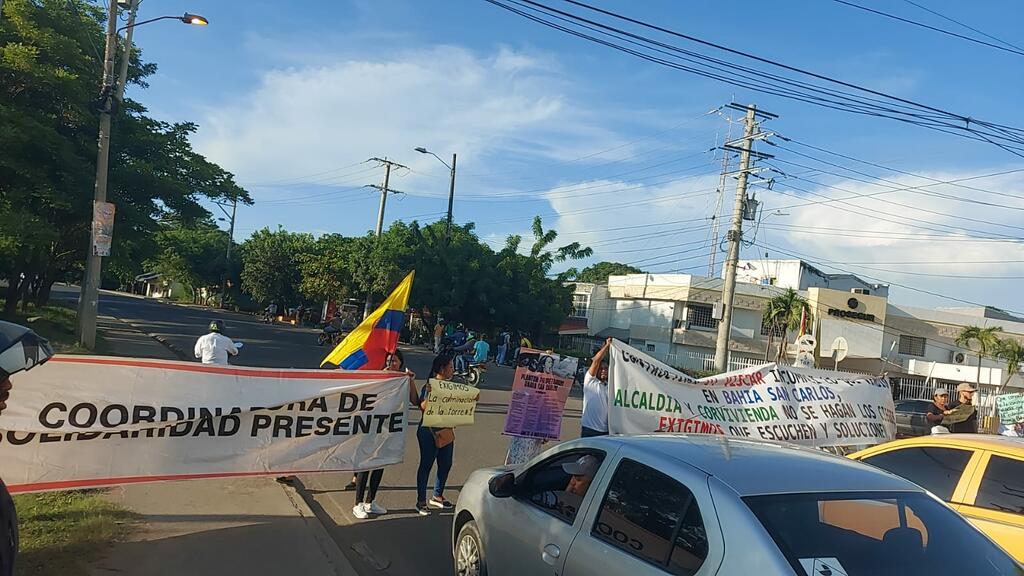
{"x":756,"y":467}
{"x":970,"y":441}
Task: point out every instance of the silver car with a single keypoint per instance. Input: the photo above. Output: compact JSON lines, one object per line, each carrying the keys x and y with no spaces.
{"x":702,"y":505}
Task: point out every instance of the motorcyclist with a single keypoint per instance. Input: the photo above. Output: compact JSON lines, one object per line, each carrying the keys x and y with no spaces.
{"x":20,"y":349}
{"x":271,"y":311}
{"x":333,"y":328}
{"x":214,"y":347}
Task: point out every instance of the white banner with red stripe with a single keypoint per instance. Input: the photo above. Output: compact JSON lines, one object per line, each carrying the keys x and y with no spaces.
{"x":80,"y":421}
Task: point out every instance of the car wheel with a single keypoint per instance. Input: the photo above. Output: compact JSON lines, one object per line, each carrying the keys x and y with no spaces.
{"x":469,"y":552}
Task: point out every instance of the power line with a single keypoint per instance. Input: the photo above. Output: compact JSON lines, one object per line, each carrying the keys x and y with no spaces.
{"x":958,"y":23}
{"x":929,"y":27}
{"x":888,"y":106}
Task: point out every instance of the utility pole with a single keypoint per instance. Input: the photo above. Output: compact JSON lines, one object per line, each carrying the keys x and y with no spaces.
{"x":735,"y":235}
{"x":716,"y":223}
{"x":88,"y":301}
{"x":122,"y":77}
{"x":227,"y":253}
{"x":380,"y":212}
{"x":451,"y":199}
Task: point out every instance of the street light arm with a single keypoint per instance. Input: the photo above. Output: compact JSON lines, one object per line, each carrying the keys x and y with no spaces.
{"x":425,"y":151}
{"x":186,"y":18}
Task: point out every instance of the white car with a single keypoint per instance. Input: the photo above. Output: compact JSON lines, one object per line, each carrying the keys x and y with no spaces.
{"x":702,"y":505}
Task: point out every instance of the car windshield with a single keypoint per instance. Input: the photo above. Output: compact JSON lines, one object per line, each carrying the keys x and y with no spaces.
{"x":877,"y":534}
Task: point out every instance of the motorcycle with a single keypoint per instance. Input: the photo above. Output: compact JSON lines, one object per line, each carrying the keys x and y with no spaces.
{"x":473,"y":375}
{"x":324,"y":337}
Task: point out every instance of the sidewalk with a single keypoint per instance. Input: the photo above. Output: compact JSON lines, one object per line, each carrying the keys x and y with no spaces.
{"x":251,"y":526}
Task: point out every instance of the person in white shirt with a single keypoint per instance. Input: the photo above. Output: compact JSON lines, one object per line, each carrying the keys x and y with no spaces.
{"x":595,"y":395}
{"x":214,"y":347}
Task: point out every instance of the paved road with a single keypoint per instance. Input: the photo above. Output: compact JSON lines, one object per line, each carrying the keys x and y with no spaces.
{"x":266,"y":345}
{"x":401,"y":542}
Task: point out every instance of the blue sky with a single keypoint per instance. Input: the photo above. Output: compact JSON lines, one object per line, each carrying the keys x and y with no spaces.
{"x":611,"y":150}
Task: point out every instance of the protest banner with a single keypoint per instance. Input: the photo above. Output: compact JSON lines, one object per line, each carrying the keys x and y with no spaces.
{"x":769,"y":402}
{"x":82,"y":421}
{"x":450,"y":404}
{"x":1011,"y":408}
{"x":538,"y":396}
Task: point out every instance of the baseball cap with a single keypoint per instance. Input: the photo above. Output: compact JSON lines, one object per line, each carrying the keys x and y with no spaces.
{"x":941,"y":392}
{"x":965,"y":387}
{"x":584,"y":466}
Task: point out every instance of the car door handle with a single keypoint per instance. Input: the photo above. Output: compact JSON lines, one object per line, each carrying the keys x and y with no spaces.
{"x":551,"y":554}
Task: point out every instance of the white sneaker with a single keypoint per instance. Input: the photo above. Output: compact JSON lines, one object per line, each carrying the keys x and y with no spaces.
{"x":374,"y":508}
{"x":360,"y":511}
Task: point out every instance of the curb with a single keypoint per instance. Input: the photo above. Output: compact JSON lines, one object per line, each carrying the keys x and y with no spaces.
{"x":174,"y":348}
{"x":296,"y":493}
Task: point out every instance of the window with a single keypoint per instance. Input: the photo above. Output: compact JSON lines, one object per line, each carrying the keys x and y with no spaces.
{"x":653,"y":517}
{"x":937,"y":470}
{"x":777,"y":330}
{"x":677,"y":323}
{"x":913,"y":406}
{"x":558,"y":486}
{"x":1002,"y":486}
{"x":699,"y":315}
{"x":911,"y":345}
{"x":651,"y":348}
{"x":580,"y":304}
{"x":876,"y":533}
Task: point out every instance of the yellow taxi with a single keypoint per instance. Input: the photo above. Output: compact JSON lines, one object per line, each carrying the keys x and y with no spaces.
{"x":980,"y":475}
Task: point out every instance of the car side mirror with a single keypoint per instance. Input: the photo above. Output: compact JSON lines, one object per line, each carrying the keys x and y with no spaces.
{"x":502,"y":485}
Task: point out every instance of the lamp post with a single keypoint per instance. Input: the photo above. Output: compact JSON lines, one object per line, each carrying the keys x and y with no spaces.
{"x":451,"y":191}
{"x":88,"y":301}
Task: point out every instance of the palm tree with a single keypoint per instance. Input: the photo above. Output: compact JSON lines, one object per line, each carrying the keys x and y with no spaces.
{"x":539,"y":251}
{"x":985,"y":338}
{"x":784,"y":311}
{"x":1010,"y":351}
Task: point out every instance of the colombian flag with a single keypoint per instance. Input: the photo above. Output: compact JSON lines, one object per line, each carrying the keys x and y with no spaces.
{"x":367,"y":346}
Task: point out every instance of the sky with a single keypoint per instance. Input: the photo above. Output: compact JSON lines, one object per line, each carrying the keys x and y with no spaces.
{"x":612,"y":151}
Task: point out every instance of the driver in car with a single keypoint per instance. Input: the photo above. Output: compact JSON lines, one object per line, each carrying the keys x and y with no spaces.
{"x":567,"y":501}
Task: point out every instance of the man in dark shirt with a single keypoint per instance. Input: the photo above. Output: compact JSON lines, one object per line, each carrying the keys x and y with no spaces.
{"x":965,"y":394}
{"x":940,"y":405}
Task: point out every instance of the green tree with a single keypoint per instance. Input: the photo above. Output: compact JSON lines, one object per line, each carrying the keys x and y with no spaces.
{"x":599,"y":273}
{"x":326,"y":270}
{"x":271,"y":265}
{"x":192,"y":255}
{"x":49,"y":83}
{"x":545,"y":258}
{"x":1010,"y":351}
{"x":985,"y":339}
{"x":784,"y":312}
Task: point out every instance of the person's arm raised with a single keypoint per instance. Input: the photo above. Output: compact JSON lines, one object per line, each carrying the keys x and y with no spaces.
{"x":595,"y":364}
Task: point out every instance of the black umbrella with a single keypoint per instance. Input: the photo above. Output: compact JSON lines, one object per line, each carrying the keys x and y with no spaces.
{"x":21,"y":349}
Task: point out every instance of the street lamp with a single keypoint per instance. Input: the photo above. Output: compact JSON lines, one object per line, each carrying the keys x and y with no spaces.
{"x":451,"y":191}
{"x":88,"y":302}
{"x":187,"y":18}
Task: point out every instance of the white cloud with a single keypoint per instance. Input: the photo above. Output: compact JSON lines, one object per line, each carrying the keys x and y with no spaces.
{"x":304,"y":120}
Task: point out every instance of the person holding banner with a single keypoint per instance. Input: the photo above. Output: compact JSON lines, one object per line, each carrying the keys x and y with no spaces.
{"x":595,"y":395}
{"x":20,"y":349}
{"x":366,"y":499}
{"x":436,"y":445}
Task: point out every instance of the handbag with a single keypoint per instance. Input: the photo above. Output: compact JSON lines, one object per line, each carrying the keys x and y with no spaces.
{"x":443,"y":437}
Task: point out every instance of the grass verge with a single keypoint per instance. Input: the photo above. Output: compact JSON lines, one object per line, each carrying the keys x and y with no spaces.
{"x":61,"y":532}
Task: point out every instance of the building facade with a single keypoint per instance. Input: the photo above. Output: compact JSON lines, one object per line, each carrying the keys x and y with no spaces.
{"x":673,"y":318}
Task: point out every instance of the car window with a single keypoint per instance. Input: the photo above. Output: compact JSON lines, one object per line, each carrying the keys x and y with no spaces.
{"x":876,"y":534}
{"x":1002,"y":486}
{"x":559,"y":485}
{"x":915,"y":406}
{"x":937,"y":470}
{"x":653,"y":517}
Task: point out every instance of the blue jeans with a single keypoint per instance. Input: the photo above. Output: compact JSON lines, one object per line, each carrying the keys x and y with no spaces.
{"x":500,"y":358}
{"x":460,"y":363}
{"x":429,"y":453}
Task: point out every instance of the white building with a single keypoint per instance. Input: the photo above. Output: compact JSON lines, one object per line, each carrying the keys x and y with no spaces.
{"x":671,"y":317}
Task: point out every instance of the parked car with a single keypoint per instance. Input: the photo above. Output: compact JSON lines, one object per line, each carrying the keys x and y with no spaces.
{"x":981,"y":476}
{"x":910,"y":420}
{"x":704,"y":505}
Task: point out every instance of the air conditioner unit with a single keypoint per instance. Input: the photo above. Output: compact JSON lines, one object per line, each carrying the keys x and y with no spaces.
{"x":957,"y":357}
